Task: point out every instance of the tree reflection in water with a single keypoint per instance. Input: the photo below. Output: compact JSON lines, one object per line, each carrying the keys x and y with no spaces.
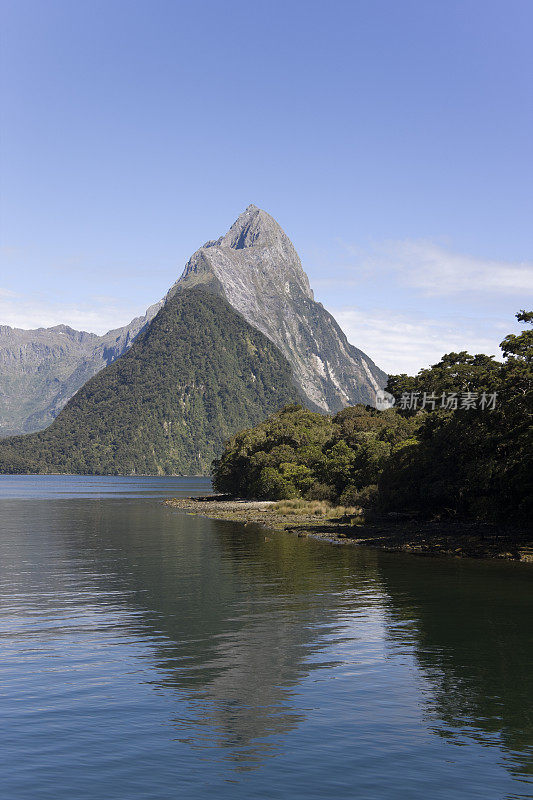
{"x":236,"y":621}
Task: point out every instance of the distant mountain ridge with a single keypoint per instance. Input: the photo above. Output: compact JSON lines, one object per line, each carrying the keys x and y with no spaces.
{"x":40,"y":370}
{"x":256,"y":268}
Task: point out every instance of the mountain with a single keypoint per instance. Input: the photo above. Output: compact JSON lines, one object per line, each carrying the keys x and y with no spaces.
{"x":257,"y":269}
{"x":194,"y":376}
{"x":41,"y":369}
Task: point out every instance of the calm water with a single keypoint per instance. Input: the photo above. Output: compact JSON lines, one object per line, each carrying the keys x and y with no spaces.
{"x":148,"y":655}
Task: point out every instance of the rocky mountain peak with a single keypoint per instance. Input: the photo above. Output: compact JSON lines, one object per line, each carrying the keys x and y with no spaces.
{"x":255,"y":228}
{"x":255,"y":256}
{"x":257,"y":269}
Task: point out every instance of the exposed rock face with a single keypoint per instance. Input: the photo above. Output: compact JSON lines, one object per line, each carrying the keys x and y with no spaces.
{"x":257,"y":269}
{"x":41,"y":369}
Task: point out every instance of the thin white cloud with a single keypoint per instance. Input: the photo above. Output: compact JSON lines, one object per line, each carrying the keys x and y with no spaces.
{"x":399,"y":343}
{"x":31,"y":313}
{"x":436,"y":270}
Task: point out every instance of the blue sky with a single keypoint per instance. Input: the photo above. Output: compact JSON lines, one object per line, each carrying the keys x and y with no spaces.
{"x":391,"y":139}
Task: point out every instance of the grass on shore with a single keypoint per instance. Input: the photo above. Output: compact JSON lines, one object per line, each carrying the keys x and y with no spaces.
{"x":317,"y":508}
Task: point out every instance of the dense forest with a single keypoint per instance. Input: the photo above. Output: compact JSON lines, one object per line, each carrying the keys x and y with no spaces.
{"x":457,"y":442}
{"x":197,"y":374}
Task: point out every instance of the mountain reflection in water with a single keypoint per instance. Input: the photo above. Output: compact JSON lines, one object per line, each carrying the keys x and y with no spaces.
{"x":195,"y":647}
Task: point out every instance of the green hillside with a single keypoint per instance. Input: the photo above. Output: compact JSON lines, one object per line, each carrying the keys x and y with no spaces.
{"x":196,"y":375}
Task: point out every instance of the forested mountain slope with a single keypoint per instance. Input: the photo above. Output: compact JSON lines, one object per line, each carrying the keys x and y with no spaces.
{"x":191,"y":379}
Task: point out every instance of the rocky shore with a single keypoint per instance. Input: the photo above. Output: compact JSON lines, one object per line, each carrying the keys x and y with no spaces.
{"x":443,"y":538}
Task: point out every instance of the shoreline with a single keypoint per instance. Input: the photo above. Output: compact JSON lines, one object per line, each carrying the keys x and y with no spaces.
{"x":446,"y":539}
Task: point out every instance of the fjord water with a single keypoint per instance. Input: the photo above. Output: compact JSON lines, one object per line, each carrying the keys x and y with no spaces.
{"x":147,"y":654}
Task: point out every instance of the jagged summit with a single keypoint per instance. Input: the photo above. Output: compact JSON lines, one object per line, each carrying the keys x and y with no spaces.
{"x":255,"y":228}
{"x":257,"y":269}
{"x":255,"y":252}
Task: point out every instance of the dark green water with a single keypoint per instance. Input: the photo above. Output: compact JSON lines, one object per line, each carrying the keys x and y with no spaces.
{"x":149,"y":655}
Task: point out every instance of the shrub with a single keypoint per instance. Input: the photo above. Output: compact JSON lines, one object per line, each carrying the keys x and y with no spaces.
{"x":320,"y":491}
{"x":364,"y":498}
